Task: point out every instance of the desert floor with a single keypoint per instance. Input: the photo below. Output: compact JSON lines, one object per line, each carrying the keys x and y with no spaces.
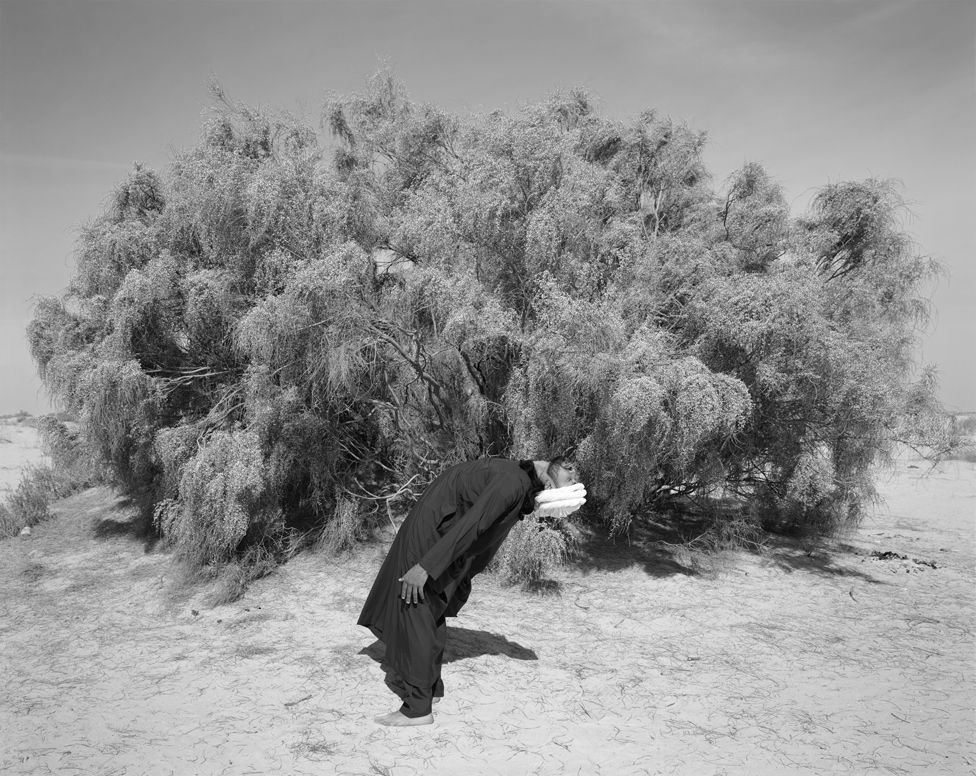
{"x":833,"y":661}
{"x":19,"y":448}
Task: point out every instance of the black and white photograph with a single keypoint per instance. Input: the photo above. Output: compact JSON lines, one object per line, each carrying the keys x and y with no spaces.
{"x":489,"y":387}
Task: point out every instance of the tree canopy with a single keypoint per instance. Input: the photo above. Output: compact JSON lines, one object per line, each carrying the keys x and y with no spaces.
{"x":297,"y":327}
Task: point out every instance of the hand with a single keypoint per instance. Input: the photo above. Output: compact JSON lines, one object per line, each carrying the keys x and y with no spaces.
{"x":412,"y":585}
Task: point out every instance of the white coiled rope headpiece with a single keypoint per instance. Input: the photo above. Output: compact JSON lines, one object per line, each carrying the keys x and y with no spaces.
{"x":560,"y":502}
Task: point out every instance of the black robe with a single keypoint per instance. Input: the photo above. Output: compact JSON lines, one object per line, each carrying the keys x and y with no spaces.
{"x":453,"y":532}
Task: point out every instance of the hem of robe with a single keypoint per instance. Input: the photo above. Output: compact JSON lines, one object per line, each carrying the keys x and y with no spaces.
{"x":410,"y":678}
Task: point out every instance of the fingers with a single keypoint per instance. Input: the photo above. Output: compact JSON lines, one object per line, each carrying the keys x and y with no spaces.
{"x":407,"y":592}
{"x":411,"y":593}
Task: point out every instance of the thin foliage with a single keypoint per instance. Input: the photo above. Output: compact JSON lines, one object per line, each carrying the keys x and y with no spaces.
{"x":532,"y":551}
{"x":276,"y":339}
{"x":29,"y":503}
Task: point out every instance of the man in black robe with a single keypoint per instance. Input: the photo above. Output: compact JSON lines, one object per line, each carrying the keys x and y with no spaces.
{"x":451,"y":534}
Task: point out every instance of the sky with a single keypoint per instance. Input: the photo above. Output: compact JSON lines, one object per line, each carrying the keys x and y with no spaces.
{"x":818,"y":91}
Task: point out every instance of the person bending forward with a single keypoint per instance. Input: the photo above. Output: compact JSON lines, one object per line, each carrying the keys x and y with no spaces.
{"x":450,"y":535}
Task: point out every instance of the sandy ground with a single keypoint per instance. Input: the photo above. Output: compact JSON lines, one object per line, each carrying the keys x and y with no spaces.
{"x":835,"y":662}
{"x":20,"y":446}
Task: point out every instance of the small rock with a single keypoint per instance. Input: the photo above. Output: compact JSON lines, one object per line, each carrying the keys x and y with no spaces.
{"x":25,"y":531}
{"x":194,"y":612}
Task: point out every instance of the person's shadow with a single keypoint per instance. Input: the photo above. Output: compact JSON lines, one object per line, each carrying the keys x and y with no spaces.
{"x":463,"y":643}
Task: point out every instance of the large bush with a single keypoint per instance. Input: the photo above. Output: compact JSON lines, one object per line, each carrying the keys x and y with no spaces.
{"x":292,"y":332}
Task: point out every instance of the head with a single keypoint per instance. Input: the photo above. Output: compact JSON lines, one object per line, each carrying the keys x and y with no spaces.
{"x":562,"y":471}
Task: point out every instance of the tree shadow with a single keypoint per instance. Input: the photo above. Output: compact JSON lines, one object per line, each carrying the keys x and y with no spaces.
{"x":656,"y":548}
{"x":822,"y":559}
{"x":544,"y":587}
{"x":643,"y":545}
{"x":109,"y":527}
{"x":132,"y":523}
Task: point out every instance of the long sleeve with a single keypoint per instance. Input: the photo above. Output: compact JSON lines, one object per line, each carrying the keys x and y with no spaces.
{"x":497,"y":500}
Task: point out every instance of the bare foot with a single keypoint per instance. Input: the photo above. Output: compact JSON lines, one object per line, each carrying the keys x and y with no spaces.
{"x":396,"y":719}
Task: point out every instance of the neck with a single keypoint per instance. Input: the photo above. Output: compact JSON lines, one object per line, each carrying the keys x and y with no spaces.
{"x":541,"y":470}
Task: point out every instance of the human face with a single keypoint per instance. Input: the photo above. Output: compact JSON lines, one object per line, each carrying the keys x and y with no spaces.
{"x":563,"y":475}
